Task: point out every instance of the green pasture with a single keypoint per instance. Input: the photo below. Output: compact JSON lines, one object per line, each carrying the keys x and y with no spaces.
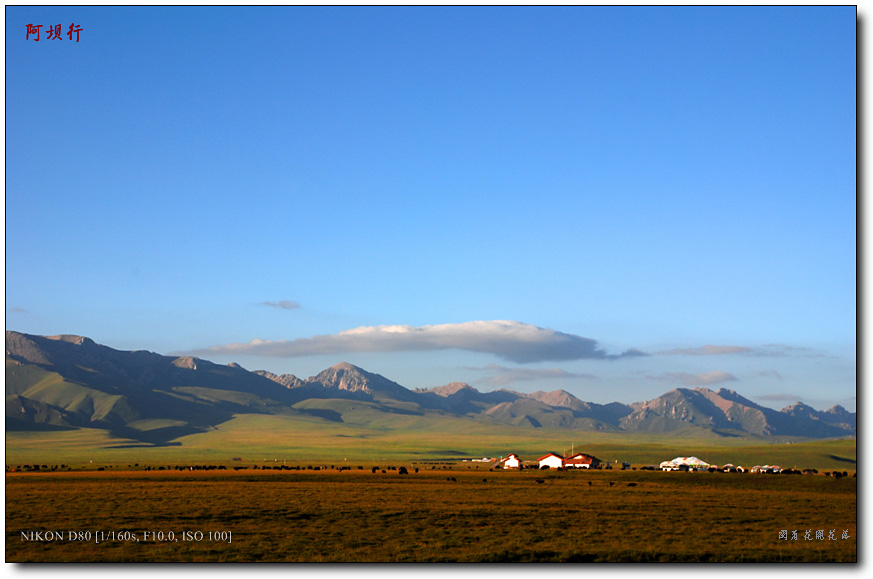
{"x":409,"y":437}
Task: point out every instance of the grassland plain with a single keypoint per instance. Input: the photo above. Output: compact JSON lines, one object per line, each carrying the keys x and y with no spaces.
{"x":255,"y":437}
{"x":442,"y":513}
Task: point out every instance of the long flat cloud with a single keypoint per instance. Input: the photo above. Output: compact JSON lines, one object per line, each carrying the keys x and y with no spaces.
{"x":510,"y":340}
{"x":503,"y":375}
{"x":284,"y":304}
{"x":704,"y":379}
{"x":707,"y":351}
{"x":766,"y":351}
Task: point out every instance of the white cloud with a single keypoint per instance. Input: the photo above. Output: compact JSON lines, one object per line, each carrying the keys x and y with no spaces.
{"x":765,"y":351}
{"x":284,"y":304}
{"x":503,"y":375}
{"x":514,"y":341}
{"x":707,"y":351}
{"x":704,"y":379}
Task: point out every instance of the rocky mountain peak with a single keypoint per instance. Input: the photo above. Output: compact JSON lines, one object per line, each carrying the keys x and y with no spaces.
{"x":73,"y":339}
{"x":450,"y":389}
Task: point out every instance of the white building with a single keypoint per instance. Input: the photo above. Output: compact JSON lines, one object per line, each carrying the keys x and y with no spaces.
{"x":552,"y":460}
{"x":512,"y":461}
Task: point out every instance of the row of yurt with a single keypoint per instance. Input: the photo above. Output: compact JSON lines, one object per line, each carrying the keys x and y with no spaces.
{"x":684,"y":463}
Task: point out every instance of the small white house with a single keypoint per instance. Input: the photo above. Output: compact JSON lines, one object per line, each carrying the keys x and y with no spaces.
{"x":552,"y":460}
{"x":512,"y":461}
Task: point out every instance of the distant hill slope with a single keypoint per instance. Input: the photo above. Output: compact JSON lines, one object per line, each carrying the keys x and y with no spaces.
{"x":69,"y":381}
{"x":727,"y":410}
{"x":64,"y":382}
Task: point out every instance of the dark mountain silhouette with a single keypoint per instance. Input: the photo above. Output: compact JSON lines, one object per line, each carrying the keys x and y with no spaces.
{"x":65,"y":382}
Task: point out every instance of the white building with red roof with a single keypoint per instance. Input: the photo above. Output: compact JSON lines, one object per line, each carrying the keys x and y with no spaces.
{"x":581,"y":460}
{"x":551,"y":460}
{"x":512,"y":461}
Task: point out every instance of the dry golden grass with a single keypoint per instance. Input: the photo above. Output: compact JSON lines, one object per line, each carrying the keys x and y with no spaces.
{"x":454,"y":514}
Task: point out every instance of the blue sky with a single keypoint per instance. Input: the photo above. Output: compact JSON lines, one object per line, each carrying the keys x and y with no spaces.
{"x":508,"y":197}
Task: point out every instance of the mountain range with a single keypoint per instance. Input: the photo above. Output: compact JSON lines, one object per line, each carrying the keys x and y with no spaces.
{"x":67,"y":382}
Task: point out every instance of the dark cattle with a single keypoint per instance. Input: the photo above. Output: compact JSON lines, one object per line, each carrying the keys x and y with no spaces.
{"x":631,"y":484}
{"x":402,"y":470}
{"x":540,"y":481}
{"x":611,"y":483}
